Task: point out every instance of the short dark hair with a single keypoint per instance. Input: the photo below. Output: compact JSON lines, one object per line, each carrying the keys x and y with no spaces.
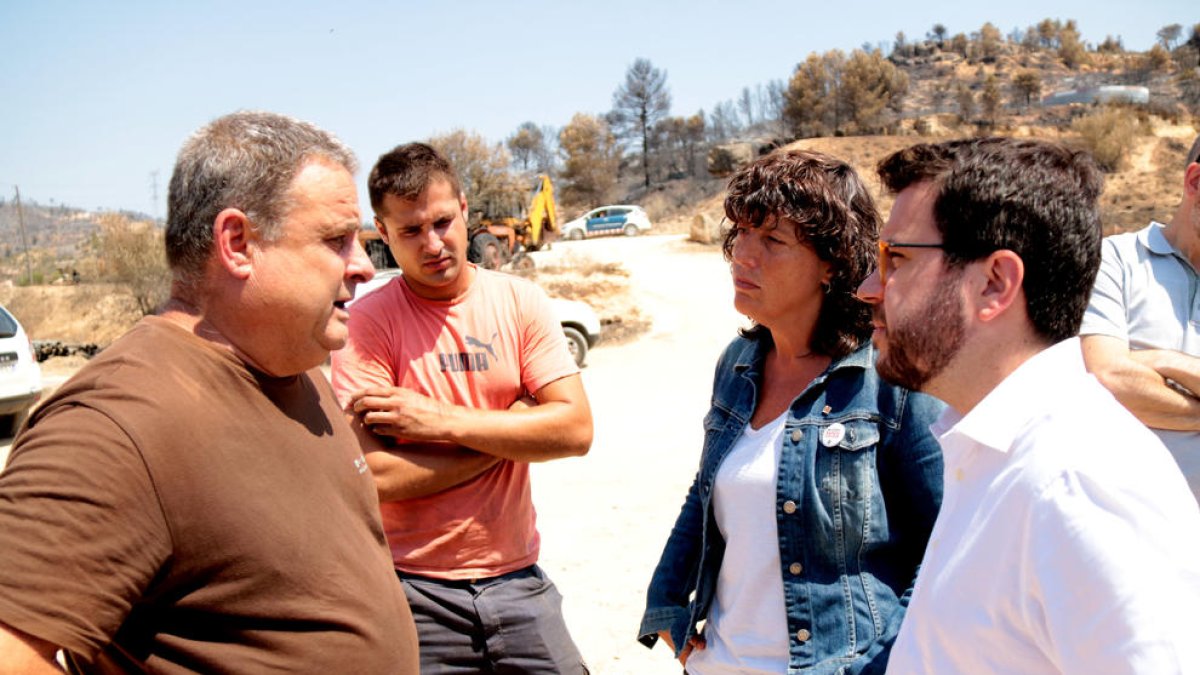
{"x":246,"y":160}
{"x":1035,"y":198}
{"x":1193,"y":154}
{"x":406,"y":170}
{"x":833,"y":212}
{"x":925,"y":161}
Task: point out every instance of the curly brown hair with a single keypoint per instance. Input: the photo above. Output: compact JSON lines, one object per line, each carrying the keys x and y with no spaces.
{"x":832,"y":211}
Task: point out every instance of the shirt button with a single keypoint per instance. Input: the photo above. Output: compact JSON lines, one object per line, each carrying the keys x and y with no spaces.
{"x":797,"y":435}
{"x":795,"y":568}
{"x":803,"y":635}
{"x":789,"y":507}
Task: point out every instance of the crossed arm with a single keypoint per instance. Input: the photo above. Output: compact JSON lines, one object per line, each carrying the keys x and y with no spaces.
{"x":25,"y":654}
{"x":449,"y":444}
{"x":1142,"y":381}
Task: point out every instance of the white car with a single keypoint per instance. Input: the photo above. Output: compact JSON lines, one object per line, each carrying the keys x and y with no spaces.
{"x":20,"y":376}
{"x":579,"y":322}
{"x":615,"y":219}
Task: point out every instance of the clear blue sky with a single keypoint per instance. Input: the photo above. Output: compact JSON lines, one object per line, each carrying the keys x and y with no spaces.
{"x":98,"y":96}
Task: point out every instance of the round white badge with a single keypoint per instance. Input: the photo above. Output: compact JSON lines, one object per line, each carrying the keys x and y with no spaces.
{"x":833,"y":434}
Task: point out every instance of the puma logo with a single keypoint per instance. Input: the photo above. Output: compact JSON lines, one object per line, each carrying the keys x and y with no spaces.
{"x":475,"y":342}
{"x":469,"y":361}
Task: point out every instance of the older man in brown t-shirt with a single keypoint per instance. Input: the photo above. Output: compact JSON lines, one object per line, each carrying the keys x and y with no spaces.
{"x":193,"y":500}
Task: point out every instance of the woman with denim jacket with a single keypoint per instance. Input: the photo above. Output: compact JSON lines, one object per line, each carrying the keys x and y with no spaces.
{"x":799,"y":540}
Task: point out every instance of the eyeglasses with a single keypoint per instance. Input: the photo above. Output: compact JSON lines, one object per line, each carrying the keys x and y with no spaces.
{"x":884,"y":254}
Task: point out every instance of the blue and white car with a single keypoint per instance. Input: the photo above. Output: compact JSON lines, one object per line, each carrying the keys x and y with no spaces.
{"x":616,"y":219}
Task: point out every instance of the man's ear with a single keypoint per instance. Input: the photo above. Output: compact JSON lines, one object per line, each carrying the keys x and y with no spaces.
{"x":462,"y":204}
{"x":233,"y":237}
{"x":1003,"y":275}
{"x":381,"y":228}
{"x":1191,"y":181}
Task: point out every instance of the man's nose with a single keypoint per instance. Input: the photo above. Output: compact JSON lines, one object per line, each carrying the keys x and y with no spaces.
{"x":433,"y":243}
{"x":870,"y":290}
{"x":359,"y":266}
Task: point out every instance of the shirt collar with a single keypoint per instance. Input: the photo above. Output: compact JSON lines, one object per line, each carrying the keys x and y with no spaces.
{"x":1155,"y":241}
{"x":1028,"y":392}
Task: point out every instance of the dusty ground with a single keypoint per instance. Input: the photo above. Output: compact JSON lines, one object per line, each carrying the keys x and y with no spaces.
{"x":605,"y":517}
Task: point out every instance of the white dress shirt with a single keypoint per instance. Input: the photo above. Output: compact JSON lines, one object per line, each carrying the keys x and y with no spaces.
{"x":1068,"y":541}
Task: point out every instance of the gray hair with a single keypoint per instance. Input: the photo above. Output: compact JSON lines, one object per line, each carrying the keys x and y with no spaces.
{"x":1193,"y":154}
{"x":247,"y":161}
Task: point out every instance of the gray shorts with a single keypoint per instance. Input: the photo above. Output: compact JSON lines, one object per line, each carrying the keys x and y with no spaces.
{"x":512,"y":623}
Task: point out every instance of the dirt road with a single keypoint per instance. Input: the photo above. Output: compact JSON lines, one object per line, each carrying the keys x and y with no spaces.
{"x":605,"y":517}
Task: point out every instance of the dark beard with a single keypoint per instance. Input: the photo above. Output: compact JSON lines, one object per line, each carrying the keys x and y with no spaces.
{"x":920,"y":346}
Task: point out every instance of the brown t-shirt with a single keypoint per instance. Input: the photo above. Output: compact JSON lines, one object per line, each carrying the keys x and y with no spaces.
{"x":172,"y":510}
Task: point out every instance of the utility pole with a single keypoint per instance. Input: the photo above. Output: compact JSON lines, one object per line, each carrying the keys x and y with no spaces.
{"x":24,"y":239}
{"x":154,"y":194}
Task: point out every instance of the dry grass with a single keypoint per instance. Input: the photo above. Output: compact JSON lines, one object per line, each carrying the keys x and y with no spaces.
{"x":75,"y":314}
{"x":575,"y":263}
{"x":605,"y":286}
{"x":1149,"y":185}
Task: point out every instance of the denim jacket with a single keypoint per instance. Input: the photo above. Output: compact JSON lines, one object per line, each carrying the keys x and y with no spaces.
{"x":853,"y":519}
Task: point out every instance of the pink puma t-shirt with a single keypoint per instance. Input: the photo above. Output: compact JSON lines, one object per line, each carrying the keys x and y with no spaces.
{"x":481,"y":350}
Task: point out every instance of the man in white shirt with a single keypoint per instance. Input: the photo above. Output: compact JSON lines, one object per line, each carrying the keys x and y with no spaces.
{"x":1068,"y":540}
{"x":1141,"y":331}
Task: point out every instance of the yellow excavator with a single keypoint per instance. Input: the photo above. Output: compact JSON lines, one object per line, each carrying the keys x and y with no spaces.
{"x":495,"y":241}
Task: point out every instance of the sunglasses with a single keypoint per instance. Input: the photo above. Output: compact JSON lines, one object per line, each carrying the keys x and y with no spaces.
{"x":885,"y":248}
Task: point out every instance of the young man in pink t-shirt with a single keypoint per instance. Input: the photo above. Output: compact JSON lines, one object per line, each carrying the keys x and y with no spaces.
{"x":455,"y":378}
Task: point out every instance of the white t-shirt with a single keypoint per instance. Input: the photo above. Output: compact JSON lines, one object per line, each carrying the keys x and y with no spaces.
{"x":1067,"y":541}
{"x":746,"y":631}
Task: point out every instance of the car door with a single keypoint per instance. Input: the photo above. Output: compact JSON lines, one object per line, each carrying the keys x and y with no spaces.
{"x":615,"y":220}
{"x":597,"y":221}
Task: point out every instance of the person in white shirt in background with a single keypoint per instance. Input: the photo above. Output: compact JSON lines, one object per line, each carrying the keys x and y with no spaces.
{"x":1141,"y":331}
{"x":1068,"y":541}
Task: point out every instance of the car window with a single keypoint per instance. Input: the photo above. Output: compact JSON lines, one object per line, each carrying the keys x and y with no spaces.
{"x":8,"y":325}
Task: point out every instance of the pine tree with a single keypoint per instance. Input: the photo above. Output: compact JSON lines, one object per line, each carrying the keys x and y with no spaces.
{"x":638,"y":104}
